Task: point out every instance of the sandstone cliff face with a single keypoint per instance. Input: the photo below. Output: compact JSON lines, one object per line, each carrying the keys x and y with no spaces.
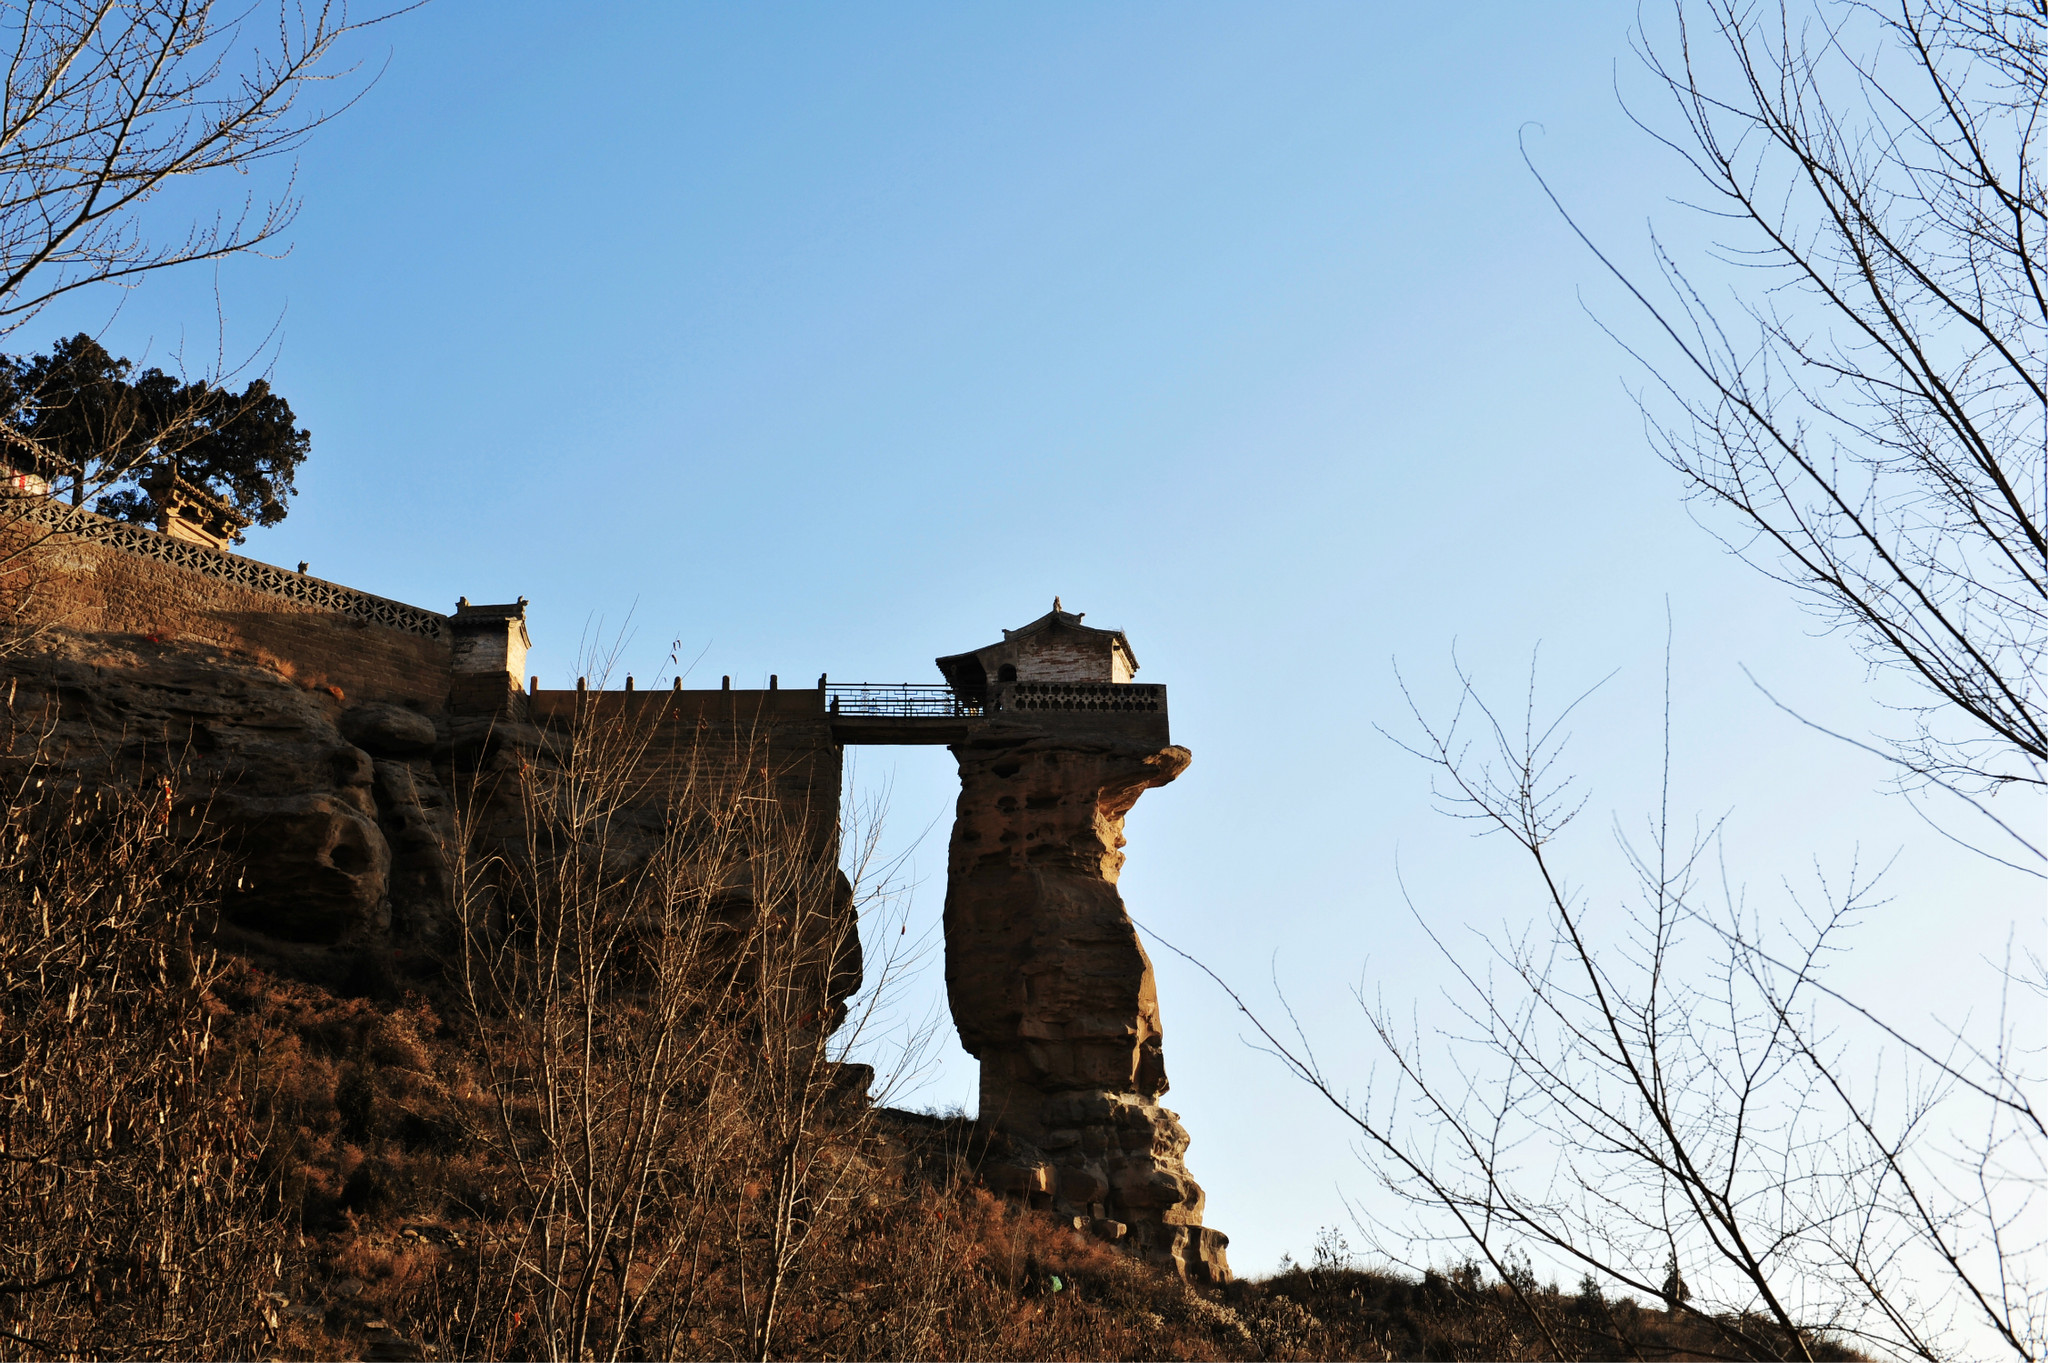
{"x":304,"y":809}
{"x":1052,"y":991}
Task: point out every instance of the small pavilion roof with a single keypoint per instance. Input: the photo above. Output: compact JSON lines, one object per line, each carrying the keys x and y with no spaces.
{"x":165,"y":482}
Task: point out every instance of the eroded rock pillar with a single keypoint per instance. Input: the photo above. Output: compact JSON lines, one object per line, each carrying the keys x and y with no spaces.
{"x":1052,"y":991}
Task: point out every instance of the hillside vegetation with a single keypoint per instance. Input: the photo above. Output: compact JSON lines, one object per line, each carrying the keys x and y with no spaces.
{"x":600,"y":1121}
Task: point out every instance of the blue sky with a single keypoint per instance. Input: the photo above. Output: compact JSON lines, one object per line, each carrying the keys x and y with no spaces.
{"x":831,"y":339}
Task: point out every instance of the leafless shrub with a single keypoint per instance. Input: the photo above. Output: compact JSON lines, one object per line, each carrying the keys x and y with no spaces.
{"x":651,"y":971}
{"x":134,"y":1217}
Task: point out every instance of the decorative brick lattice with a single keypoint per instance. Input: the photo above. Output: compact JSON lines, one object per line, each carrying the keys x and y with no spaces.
{"x":1120,"y":696}
{"x":244,"y":572}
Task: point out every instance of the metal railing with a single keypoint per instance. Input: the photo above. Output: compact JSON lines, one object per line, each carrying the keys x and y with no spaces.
{"x":904,"y":701}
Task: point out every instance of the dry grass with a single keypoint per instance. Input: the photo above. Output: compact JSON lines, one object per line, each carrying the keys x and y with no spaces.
{"x":392,"y":1217}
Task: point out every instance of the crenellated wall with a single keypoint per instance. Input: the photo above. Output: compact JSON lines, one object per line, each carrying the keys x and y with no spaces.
{"x":333,"y":729}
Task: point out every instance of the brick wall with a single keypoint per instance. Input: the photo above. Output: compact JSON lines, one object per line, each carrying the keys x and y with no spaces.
{"x":97,"y":586}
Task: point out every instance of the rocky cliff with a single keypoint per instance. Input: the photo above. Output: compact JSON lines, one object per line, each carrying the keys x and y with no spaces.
{"x":339,"y":813}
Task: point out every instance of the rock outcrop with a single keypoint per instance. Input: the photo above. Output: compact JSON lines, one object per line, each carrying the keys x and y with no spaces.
{"x":1052,"y":991}
{"x":296,"y":801}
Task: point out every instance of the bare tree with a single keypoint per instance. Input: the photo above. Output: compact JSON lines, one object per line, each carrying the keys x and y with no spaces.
{"x":108,"y":103}
{"x":1676,"y":1101}
{"x":105,"y":106}
{"x":1862,"y":402}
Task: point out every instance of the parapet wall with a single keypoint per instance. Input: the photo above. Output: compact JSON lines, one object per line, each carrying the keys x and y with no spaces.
{"x":63,"y":567}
